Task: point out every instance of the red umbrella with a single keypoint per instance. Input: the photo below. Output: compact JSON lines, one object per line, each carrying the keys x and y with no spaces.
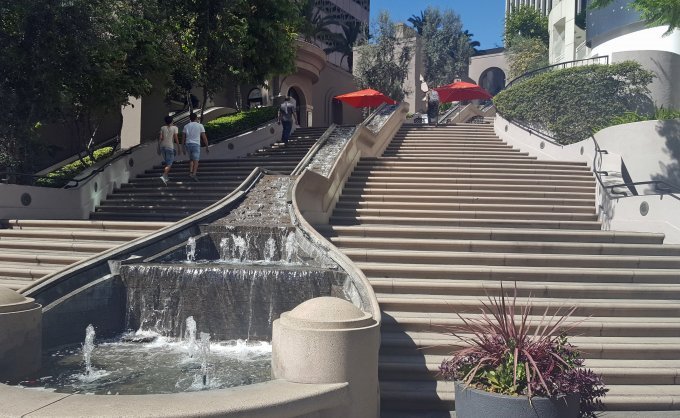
{"x":365,"y":98}
{"x":460,"y":90}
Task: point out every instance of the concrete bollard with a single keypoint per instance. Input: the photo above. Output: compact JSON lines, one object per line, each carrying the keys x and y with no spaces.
{"x":20,"y":335}
{"x":329,"y":340}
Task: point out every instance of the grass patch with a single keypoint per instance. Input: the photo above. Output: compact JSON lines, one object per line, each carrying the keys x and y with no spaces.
{"x":228,"y":126}
{"x":61,"y":176}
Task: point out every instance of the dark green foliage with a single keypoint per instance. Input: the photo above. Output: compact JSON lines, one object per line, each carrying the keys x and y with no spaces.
{"x":446,"y":47}
{"x":526,"y":21}
{"x":60,"y":177}
{"x":383,"y":63}
{"x":228,"y":126}
{"x":571,"y":103}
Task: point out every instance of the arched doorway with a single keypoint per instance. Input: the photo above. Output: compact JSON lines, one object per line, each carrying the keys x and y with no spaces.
{"x":255,"y":98}
{"x":492,"y":80}
{"x":336,"y":111}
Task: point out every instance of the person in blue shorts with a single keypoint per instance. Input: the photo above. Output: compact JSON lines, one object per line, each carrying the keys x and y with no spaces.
{"x":166,"y":141}
{"x":286,"y":118}
{"x":194,"y":133}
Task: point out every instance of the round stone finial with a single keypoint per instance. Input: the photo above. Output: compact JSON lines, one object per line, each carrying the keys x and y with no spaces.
{"x":327,"y":313}
{"x":11,"y":301}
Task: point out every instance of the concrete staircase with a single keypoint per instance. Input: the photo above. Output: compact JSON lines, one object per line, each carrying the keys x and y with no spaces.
{"x":30,"y":250}
{"x":146,"y":198}
{"x":448,"y":213}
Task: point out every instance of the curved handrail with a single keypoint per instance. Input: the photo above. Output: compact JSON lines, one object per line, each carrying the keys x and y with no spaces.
{"x":566,"y":64}
{"x":661,"y":187}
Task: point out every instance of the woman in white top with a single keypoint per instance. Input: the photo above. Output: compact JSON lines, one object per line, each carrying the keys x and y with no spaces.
{"x":167,"y":140}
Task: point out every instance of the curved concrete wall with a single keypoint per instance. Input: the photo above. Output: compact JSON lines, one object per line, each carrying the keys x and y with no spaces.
{"x":647,"y":150}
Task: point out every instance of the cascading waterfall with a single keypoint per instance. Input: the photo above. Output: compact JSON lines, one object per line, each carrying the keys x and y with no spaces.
{"x":191,"y":249}
{"x":290,"y":247}
{"x":224,"y":249}
{"x":270,"y":250}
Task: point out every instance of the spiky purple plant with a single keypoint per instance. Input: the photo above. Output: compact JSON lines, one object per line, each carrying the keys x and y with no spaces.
{"x":505,"y":353}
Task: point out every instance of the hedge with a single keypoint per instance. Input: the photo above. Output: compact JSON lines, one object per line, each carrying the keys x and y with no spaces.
{"x":228,"y":126}
{"x":63,"y":175}
{"x":572,"y":103}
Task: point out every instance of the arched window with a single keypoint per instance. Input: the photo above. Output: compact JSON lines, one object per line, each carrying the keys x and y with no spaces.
{"x":255,"y":98}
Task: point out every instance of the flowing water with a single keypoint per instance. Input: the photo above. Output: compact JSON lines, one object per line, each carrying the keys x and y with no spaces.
{"x":163,"y":365}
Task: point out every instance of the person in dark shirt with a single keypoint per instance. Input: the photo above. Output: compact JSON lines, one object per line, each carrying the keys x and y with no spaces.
{"x":286,"y":118}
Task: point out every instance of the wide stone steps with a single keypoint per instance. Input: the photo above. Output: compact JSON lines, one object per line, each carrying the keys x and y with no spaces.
{"x":447,"y":214}
{"x":398,"y":397}
{"x":614,"y":348}
{"x":501,"y":163}
{"x":371,"y":199}
{"x":517,"y":273}
{"x":396,"y":205}
{"x":32,"y":249}
{"x":583,"y":307}
{"x":512,"y":259}
{"x":613,"y":372}
{"x":476,"y":185}
{"x":489,"y":234}
{"x":399,"y":321}
{"x":488,"y":246}
{"x":146,"y":197}
{"x":409,"y":191}
{"x":499,"y":220}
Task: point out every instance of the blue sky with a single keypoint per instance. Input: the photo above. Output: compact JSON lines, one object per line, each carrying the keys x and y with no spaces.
{"x":483,"y":18}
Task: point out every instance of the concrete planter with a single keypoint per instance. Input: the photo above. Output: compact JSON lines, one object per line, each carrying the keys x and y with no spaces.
{"x":474,"y":403}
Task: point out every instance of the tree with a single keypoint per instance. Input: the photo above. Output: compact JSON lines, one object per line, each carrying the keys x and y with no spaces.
{"x":418,"y":22}
{"x":74,"y":62}
{"x":446,"y":47}
{"x":526,"y":21}
{"x":473,"y":44}
{"x":352,"y":34}
{"x":655,"y":12}
{"x":383,"y":62}
{"x":526,"y":54}
{"x":315,"y":23}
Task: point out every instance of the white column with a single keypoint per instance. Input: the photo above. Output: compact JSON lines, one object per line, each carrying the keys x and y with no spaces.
{"x":131,"y":131}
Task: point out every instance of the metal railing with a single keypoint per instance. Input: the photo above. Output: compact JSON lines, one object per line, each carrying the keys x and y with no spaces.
{"x":603,"y":60}
{"x":661,"y":187}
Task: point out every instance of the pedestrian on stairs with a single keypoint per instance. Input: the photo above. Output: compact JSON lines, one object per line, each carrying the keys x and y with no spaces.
{"x":194,"y":133}
{"x":166,"y":141}
{"x":286,"y":118}
{"x":432,"y":98}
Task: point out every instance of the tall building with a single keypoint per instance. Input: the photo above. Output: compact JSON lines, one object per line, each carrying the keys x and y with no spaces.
{"x":543,"y":5}
{"x":349,"y":12}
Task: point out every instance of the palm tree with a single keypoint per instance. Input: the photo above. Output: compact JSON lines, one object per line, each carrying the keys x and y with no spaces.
{"x":315,"y":24}
{"x":473,"y":44}
{"x":418,"y":22}
{"x":352,"y":34}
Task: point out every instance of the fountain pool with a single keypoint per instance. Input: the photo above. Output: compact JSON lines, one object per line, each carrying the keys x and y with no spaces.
{"x":162,"y":365}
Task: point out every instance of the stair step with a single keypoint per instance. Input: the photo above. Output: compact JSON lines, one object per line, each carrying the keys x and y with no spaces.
{"x":399,"y":321}
{"x":505,"y":234}
{"x":518,"y":274}
{"x":510,"y":259}
{"x":485,"y":222}
{"x":463,"y":207}
{"x":394,"y":242}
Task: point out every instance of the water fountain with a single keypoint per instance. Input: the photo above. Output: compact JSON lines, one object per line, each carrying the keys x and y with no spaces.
{"x":200,"y":313}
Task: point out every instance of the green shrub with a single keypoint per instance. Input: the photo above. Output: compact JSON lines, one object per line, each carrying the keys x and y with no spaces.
{"x":571,"y":103}
{"x":63,"y":175}
{"x":227,"y":126}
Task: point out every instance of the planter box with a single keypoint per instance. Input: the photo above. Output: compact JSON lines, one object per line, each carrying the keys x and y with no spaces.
{"x":474,"y":403}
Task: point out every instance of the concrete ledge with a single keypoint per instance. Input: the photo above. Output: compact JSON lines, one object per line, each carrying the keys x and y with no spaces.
{"x":274,"y":399}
